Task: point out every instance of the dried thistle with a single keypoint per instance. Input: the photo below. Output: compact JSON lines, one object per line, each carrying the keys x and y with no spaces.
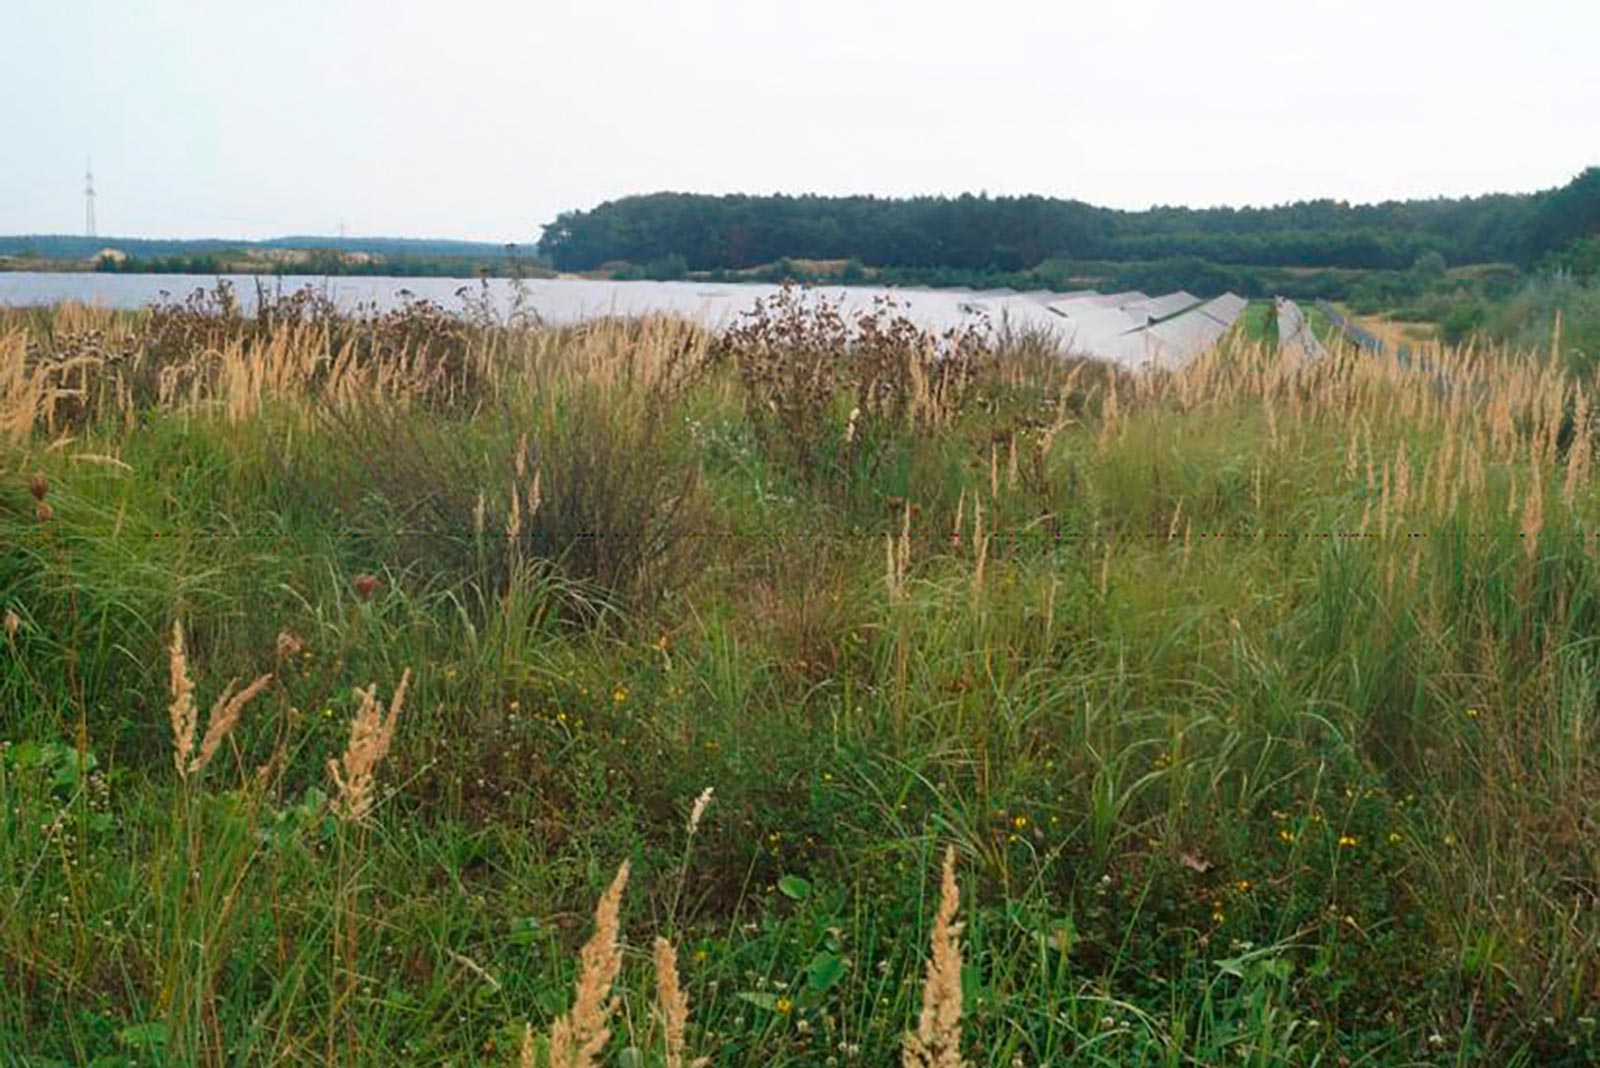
{"x":671,"y":1002}
{"x":13,"y":623}
{"x":43,"y":512}
{"x":699,"y":810}
{"x":370,"y":734}
{"x":577,"y":1038}
{"x":181,"y":711}
{"x":224,"y":717}
{"x":937,"y":1042}
{"x":38,"y":485}
{"x":365,"y":585}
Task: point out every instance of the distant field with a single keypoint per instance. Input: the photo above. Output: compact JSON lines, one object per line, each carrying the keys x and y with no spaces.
{"x":1257,"y":702}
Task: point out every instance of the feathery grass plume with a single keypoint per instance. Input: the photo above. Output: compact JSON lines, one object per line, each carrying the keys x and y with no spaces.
{"x":1578,"y":454}
{"x":697,"y":813}
{"x":1402,"y":479}
{"x":937,"y":1041}
{"x":370,"y":734}
{"x":1533,"y":513}
{"x":224,"y":717}
{"x":671,"y":1002}
{"x":577,"y":1038}
{"x":525,"y":1055}
{"x":181,"y":711}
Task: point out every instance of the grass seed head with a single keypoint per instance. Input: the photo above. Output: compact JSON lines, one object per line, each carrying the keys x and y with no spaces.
{"x":577,"y":1038}
{"x":371,"y":732}
{"x":225,"y":714}
{"x":937,"y":1041}
{"x":671,"y":1002}
{"x":181,"y":711}
{"x":697,"y":813}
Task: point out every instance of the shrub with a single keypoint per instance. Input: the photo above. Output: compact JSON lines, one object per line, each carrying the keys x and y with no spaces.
{"x":828,"y":394}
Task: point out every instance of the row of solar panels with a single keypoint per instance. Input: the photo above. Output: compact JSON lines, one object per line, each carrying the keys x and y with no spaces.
{"x":1130,"y":329}
{"x":1295,"y":337}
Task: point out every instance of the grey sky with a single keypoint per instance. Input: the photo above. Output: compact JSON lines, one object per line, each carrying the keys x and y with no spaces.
{"x":484,"y":119}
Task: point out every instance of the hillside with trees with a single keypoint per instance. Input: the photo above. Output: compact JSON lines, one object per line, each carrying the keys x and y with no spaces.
{"x":1012,"y":234}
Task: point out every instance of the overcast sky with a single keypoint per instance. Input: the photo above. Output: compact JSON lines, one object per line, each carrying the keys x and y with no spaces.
{"x":485,"y":119}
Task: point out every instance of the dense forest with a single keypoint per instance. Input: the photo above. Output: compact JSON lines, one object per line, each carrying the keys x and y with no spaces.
{"x":1010,"y":234}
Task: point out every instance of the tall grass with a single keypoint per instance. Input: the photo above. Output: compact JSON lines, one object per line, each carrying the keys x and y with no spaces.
{"x":1258,"y":700}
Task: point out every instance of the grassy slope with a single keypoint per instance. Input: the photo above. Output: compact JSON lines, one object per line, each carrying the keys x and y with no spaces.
{"x":1262,"y":798}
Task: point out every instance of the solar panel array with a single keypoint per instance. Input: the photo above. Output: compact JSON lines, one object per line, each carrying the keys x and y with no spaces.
{"x":1295,"y":337}
{"x":1130,"y":329}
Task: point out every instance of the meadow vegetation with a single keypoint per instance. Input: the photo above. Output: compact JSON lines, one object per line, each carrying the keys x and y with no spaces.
{"x":816,"y":694}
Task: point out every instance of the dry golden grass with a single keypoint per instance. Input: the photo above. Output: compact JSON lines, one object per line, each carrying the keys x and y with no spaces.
{"x":577,"y":1038}
{"x":184,"y":716}
{"x":224,"y":718}
{"x":371,"y":732}
{"x":937,"y":1040}
{"x":698,"y":811}
{"x":671,"y":1003}
{"x":181,"y":711}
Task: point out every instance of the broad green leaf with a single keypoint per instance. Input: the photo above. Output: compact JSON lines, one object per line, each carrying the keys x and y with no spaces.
{"x":823,"y":972}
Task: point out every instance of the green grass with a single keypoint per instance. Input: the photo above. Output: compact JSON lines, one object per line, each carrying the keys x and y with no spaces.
{"x":1242,"y":800}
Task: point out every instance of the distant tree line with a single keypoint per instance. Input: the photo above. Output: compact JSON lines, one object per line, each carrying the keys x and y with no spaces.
{"x":327,"y":263}
{"x":78,"y":247}
{"x":999,"y":235}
